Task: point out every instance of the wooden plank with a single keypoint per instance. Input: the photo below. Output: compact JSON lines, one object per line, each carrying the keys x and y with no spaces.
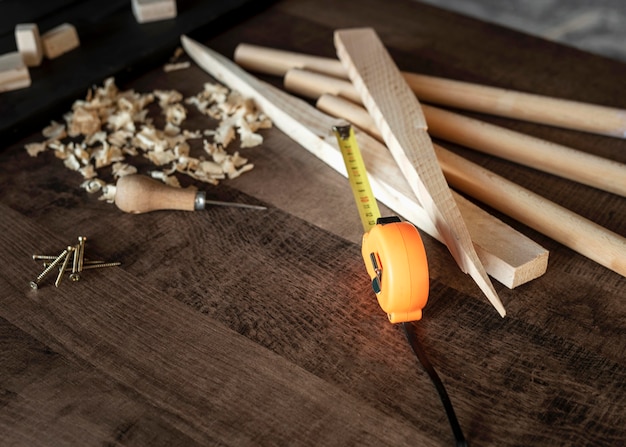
{"x":398,"y":115}
{"x":313,"y":130}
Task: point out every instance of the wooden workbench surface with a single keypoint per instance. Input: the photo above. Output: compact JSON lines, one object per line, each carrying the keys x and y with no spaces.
{"x":234,"y":327}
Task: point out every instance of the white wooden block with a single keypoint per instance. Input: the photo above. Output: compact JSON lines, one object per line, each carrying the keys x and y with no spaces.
{"x":14,"y":73}
{"x":153,"y":10}
{"x":28,"y":43}
{"x":59,"y":40}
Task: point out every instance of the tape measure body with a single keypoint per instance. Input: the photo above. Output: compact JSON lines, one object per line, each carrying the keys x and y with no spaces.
{"x":395,"y":259}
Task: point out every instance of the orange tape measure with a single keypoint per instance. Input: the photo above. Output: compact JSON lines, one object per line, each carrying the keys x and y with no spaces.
{"x":396,"y":261}
{"x":392,"y":250}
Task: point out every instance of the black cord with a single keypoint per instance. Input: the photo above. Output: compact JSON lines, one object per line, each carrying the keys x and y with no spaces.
{"x":411,"y":335}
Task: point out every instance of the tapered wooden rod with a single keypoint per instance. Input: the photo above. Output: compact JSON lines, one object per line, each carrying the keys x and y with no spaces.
{"x":564,"y":226}
{"x":517,"y":147}
{"x":540,"y":109}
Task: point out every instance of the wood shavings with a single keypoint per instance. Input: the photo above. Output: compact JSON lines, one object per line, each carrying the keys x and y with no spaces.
{"x":92,"y":185}
{"x":55,"y":131}
{"x":34,"y":149}
{"x":174,"y":67}
{"x":110,"y":131}
{"x":108,"y":193}
{"x":165,"y":178}
{"x":121,"y":169}
{"x":83,"y":122}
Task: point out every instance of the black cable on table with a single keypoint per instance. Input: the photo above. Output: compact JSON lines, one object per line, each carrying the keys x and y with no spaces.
{"x":411,"y":335}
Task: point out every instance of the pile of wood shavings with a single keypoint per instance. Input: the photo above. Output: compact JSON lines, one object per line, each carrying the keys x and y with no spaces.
{"x":110,"y":127}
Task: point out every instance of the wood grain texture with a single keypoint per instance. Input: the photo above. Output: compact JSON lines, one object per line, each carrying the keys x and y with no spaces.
{"x":399,"y":118}
{"x":130,"y":357}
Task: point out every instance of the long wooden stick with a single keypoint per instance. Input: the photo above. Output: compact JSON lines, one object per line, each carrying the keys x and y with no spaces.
{"x":540,"y":109}
{"x":399,"y":117}
{"x":508,"y":256}
{"x":536,"y":153}
{"x":564,"y":226}
{"x":555,"y":221}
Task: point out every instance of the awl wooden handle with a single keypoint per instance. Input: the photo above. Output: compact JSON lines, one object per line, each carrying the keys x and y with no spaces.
{"x":139,"y":194}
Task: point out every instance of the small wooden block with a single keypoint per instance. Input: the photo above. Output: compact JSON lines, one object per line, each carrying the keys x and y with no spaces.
{"x":59,"y":40}
{"x":28,"y":43}
{"x":153,"y":10}
{"x":14,"y":73}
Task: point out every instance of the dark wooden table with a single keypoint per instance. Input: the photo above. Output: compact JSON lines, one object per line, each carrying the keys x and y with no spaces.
{"x":232,"y":327}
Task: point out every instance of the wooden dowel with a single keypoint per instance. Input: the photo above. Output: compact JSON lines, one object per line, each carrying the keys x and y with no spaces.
{"x":564,"y":226}
{"x":278,"y":62}
{"x":517,"y":147}
{"x":540,"y":109}
{"x":556,"y":159}
{"x":509,"y":256}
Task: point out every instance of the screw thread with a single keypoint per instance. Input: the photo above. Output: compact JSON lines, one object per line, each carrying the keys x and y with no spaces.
{"x":34,"y":284}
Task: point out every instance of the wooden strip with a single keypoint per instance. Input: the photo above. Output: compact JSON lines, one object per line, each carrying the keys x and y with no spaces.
{"x":513,"y":263}
{"x":530,"y":107}
{"x":398,"y":115}
{"x":556,"y":159}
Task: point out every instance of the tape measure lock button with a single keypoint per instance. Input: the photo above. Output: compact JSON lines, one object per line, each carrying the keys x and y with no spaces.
{"x":395,"y":260}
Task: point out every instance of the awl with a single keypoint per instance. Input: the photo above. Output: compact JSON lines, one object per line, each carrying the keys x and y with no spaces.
{"x":139,"y":194}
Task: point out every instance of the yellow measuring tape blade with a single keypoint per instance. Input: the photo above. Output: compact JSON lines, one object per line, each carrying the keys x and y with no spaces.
{"x":357,"y":175}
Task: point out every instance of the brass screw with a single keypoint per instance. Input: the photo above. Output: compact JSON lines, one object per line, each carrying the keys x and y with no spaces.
{"x":35,"y":284}
{"x":63,"y":267}
{"x":81,"y":257}
{"x":85,"y":264}
{"x":97,"y":266}
{"x":101,"y":265}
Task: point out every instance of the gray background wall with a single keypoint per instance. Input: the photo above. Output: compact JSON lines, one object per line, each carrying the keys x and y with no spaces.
{"x":597,"y":26}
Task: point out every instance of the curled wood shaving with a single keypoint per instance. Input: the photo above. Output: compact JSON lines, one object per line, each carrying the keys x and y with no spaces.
{"x":105,"y":132}
{"x":176,"y":66}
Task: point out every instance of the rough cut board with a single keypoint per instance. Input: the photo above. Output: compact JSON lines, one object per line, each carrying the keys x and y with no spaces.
{"x":398,"y":115}
{"x":312,"y":129}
